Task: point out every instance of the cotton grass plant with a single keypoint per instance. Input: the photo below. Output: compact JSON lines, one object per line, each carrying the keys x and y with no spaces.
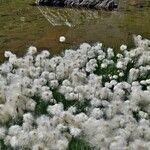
{"x":88,"y":98}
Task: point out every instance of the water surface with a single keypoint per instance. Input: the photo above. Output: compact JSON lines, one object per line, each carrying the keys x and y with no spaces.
{"x":22,"y":25}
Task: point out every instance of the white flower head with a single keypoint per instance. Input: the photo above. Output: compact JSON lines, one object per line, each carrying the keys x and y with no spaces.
{"x":2,"y":132}
{"x":56,"y":109}
{"x":123,"y":47}
{"x":62,"y":39}
{"x":74,"y":131}
{"x":32,"y":50}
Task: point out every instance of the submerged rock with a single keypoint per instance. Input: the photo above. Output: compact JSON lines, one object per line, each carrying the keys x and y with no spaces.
{"x":98,"y":4}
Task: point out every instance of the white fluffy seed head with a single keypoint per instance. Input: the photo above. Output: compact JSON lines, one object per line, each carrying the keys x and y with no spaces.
{"x":75,"y":131}
{"x":32,"y":50}
{"x":7,"y":54}
{"x":123,"y":47}
{"x":121,"y":74}
{"x":28,"y":118}
{"x":14,"y":142}
{"x":2,"y":133}
{"x":47,"y":95}
{"x":56,"y":109}
{"x":14,"y":130}
{"x":103,"y":65}
{"x":62,"y":39}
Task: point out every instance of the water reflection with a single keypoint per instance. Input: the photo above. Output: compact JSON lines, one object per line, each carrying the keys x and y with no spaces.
{"x":68,"y":16}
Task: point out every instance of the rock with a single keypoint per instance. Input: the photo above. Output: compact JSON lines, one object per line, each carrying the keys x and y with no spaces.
{"x":50,"y":2}
{"x":98,"y":4}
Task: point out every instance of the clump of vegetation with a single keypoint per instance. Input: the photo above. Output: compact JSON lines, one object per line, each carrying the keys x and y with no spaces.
{"x":87,"y":98}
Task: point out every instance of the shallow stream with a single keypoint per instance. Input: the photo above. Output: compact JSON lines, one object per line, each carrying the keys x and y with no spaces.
{"x":23,"y":25}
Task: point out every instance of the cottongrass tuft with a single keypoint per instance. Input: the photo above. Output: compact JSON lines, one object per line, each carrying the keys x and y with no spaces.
{"x":94,"y":97}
